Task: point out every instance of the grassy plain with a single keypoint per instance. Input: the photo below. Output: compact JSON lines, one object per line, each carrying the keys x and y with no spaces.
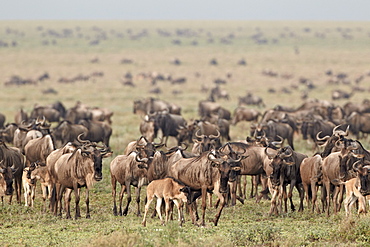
{"x":298,"y":49}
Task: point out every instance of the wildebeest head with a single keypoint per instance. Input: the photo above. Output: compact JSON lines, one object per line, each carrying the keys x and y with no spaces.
{"x":8,"y":175}
{"x":363,"y":175}
{"x":278,"y":163}
{"x":206,"y":142}
{"x":227,"y":167}
{"x":96,"y":155}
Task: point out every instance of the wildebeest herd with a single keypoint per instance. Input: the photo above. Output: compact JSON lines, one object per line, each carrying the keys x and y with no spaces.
{"x":68,"y":156}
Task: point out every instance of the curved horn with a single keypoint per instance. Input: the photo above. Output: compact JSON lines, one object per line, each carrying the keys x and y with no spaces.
{"x":143,"y":160}
{"x":355,"y":165}
{"x":340,"y":132}
{"x":285,"y":155}
{"x":215,"y":137}
{"x":269,"y":155}
{"x":323,"y":139}
{"x":212,"y":158}
{"x":276,"y":143}
{"x":80,"y":140}
{"x":199,"y":136}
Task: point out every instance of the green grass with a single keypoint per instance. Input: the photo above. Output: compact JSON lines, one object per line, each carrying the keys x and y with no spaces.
{"x":241,"y":225}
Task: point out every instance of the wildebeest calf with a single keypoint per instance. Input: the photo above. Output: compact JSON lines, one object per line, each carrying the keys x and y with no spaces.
{"x":167,"y":189}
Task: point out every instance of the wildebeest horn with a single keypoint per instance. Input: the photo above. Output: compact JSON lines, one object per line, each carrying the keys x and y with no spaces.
{"x":355,"y":165}
{"x":276,"y":143}
{"x":80,"y":140}
{"x":138,"y":159}
{"x":340,"y":132}
{"x":285,"y":155}
{"x":215,"y":137}
{"x":141,"y":143}
{"x":212,"y":158}
{"x":199,"y":136}
{"x":325,"y":138}
{"x":269,"y":155}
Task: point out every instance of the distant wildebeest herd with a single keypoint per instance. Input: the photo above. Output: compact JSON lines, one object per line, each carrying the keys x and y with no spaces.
{"x":69,"y":156}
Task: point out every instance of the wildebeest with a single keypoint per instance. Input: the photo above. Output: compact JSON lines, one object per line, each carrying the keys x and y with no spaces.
{"x":72,"y":171}
{"x":78,"y":112}
{"x":50,"y":114}
{"x":152,"y":105}
{"x":166,"y":189}
{"x":274,"y":130}
{"x":29,"y":188}
{"x":357,"y":188}
{"x":11,"y":166}
{"x":251,"y":99}
{"x":169,"y":124}
{"x":97,"y":131}
{"x":310,"y":171}
{"x":286,"y":170}
{"x":39,"y":172}
{"x":242,"y":113}
{"x":66,"y":132}
{"x":20,"y":117}
{"x":127,"y":170}
{"x":331,"y":173}
{"x":38,"y":149}
{"x":206,"y":172}
{"x":2,"y":187}
{"x":148,"y":128}
{"x":7,"y":134}
{"x":359,"y":123}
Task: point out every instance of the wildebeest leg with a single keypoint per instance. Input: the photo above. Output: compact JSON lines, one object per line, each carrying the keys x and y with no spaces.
{"x":340,"y":197}
{"x":137,"y":190}
{"x":348,"y":202}
{"x":274,"y":197}
{"x":301,"y":196}
{"x":239,"y":189}
{"x":26,"y":188}
{"x":179,"y":205}
{"x":147,"y":205}
{"x":158,"y":208}
{"x":121,"y":193}
{"x":128,"y":191}
{"x":204,"y":205}
{"x":67,"y":203}
{"x":167,"y":209}
{"x":44,"y":189}
{"x":114,"y":193}
{"x":306,"y":194}
{"x":335,"y":198}
{"x":323,"y":198}
{"x":327,"y":193}
{"x":33,"y":193}
{"x":314,"y":189}
{"x":87,"y":204}
{"x":18,"y":189}
{"x":232,"y":192}
{"x":283,"y":198}
{"x":221,"y":198}
{"x":293,"y":184}
{"x":77,"y":201}
{"x":264,"y":184}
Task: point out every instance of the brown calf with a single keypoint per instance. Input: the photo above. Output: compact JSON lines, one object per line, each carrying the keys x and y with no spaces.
{"x":167,"y":189}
